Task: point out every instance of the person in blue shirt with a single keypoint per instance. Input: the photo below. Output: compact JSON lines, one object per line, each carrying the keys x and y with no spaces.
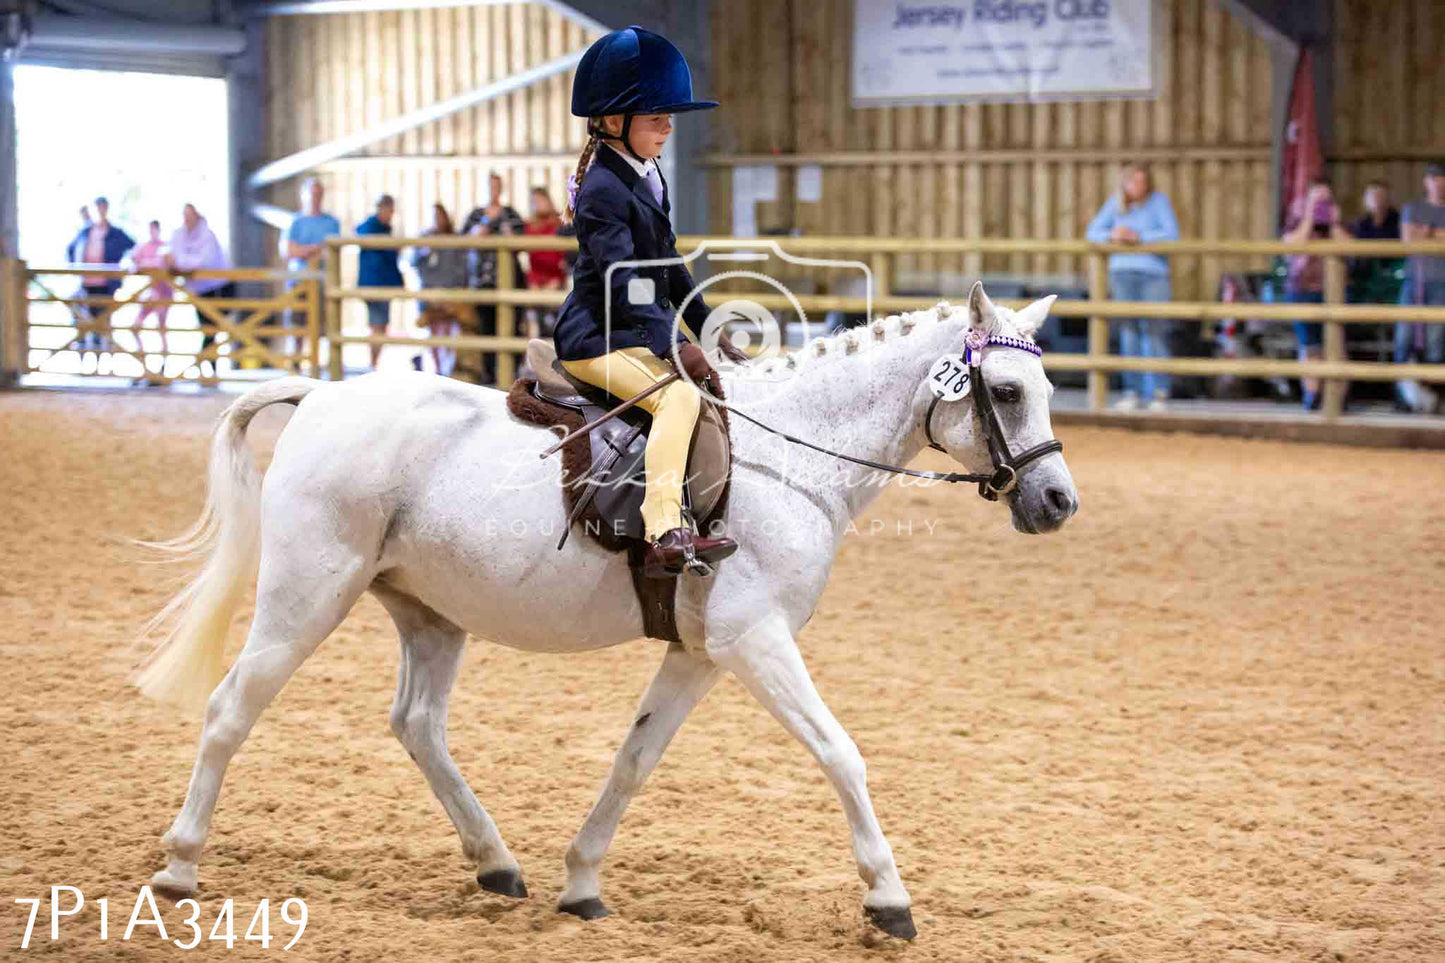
{"x":377,"y":268}
{"x":303,"y":242}
{"x":1138,"y":214}
{"x":628,"y":85}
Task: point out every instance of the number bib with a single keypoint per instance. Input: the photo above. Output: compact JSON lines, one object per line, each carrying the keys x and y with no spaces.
{"x":948,"y":378}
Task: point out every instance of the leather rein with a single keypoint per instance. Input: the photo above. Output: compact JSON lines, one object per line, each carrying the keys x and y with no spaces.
{"x":1006,"y":466}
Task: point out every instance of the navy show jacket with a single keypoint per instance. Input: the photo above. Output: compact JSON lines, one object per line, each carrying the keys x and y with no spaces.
{"x":617,"y":219}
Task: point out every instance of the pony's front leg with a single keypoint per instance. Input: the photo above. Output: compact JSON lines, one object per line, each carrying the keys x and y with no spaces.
{"x":767,"y":662}
{"x":680,"y":683}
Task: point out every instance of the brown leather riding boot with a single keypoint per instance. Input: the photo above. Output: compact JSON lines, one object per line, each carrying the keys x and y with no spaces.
{"x":678,"y":550}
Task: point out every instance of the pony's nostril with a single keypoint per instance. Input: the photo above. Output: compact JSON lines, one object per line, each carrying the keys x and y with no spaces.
{"x":1060,"y":502}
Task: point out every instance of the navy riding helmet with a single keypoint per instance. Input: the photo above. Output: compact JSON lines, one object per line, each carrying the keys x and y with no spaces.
{"x":632,"y":71}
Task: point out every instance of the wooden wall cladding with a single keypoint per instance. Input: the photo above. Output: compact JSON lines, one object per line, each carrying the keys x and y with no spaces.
{"x":993,"y":170}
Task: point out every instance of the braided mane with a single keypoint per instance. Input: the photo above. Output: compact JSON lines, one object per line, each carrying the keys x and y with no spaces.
{"x":829,"y":348}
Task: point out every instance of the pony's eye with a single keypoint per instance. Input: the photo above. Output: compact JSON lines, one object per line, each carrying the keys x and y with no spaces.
{"x":1006,"y":394}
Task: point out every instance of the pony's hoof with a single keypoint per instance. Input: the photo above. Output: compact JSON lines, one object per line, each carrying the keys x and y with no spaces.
{"x":175,"y":883}
{"x":587,"y":909}
{"x":893,"y":920}
{"x":503,"y":882}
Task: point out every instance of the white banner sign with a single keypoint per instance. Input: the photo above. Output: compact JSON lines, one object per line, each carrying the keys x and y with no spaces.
{"x":907,"y":52}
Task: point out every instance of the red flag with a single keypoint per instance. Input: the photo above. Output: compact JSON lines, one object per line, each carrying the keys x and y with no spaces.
{"x":1303,"y":158}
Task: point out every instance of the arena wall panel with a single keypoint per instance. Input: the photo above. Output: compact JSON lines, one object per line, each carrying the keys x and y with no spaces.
{"x":992,"y":170}
{"x":1388,"y":91}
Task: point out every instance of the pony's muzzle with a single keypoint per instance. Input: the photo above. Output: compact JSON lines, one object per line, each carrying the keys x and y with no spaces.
{"x":1059,"y":504}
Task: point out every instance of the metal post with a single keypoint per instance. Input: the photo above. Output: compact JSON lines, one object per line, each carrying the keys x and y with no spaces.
{"x":14,"y":336}
{"x":1098,"y":331}
{"x":506,"y":317}
{"x":333,"y":312}
{"x":1333,"y":403}
{"x":314,"y":309}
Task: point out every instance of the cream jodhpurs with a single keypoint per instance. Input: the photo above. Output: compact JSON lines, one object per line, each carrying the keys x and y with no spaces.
{"x":674,"y":412}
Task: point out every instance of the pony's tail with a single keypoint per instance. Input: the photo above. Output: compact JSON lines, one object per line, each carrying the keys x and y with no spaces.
{"x":186,"y":666}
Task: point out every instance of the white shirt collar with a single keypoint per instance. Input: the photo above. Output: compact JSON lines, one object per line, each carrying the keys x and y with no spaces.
{"x":642,"y":167}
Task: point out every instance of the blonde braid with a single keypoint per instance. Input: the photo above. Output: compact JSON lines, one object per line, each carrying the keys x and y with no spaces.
{"x":575,"y":186}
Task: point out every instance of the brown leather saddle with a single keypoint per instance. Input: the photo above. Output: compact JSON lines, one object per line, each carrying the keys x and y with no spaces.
{"x":604,"y":475}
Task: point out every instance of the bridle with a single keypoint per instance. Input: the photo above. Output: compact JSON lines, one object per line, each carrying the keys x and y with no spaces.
{"x":1003,"y":480}
{"x":1006,"y":465}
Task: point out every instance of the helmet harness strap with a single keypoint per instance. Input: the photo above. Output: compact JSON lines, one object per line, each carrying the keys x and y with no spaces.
{"x":596,"y":129}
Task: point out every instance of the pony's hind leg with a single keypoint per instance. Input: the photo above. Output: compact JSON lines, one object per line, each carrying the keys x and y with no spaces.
{"x":431,"y":653}
{"x":680,"y":683}
{"x":294,"y":614}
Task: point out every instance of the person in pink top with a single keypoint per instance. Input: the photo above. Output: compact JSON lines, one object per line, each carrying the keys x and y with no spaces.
{"x":194,"y":247}
{"x":150,"y":256}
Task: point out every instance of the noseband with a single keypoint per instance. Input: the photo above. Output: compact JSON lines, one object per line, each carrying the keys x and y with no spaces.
{"x":1006,"y":466}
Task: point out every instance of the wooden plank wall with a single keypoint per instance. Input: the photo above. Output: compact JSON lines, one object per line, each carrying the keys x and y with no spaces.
{"x":333,"y":75}
{"x":1018,"y":170}
{"x":1389,"y":88}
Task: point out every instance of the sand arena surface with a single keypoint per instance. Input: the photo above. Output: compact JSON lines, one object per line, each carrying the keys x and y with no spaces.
{"x":1202,"y":723}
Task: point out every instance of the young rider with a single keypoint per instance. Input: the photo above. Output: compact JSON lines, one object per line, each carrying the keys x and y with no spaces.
{"x":628,"y":85}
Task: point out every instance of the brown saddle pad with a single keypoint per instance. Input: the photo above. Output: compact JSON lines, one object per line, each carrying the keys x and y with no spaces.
{"x":611,"y":456}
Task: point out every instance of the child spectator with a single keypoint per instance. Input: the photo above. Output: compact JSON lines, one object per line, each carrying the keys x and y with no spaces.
{"x":150,"y":256}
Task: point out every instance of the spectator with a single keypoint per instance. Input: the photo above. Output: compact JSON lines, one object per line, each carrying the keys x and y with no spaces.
{"x":1423,"y":220}
{"x":443,"y":268}
{"x":1138,"y":214}
{"x":76,"y":249}
{"x":100,"y":242}
{"x":1317,"y":218}
{"x":195,"y":247}
{"x":497,"y":218}
{"x":546,"y":270}
{"x":304,"y":245}
{"x":304,"y":242}
{"x":150,"y":256}
{"x":377,"y":268}
{"x":1369,"y":276}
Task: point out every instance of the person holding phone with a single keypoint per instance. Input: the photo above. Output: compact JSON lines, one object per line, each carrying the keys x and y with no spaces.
{"x":1318,"y":217}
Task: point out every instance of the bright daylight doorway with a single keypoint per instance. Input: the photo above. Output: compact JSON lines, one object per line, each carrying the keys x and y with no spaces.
{"x":149,"y":143}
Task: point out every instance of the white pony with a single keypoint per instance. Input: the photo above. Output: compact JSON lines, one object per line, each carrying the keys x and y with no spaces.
{"x":430,"y":495}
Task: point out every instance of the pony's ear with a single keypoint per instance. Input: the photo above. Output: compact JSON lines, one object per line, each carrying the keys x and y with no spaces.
{"x":980,"y":309}
{"x":1029,"y":319}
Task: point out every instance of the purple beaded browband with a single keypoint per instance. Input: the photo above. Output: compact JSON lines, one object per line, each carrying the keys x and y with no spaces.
{"x":975,"y":341}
